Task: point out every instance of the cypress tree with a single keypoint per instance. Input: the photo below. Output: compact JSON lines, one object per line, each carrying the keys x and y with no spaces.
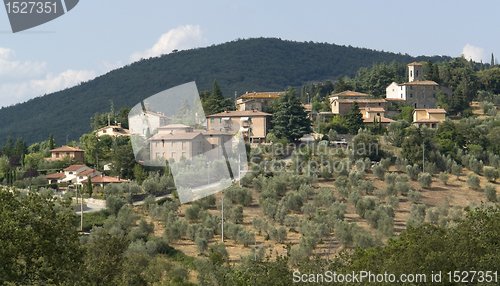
{"x":354,"y":119}
{"x":52,"y":142}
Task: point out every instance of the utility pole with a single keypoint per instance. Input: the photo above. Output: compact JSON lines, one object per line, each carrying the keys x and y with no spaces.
{"x":222,"y":217}
{"x":423,"y":159}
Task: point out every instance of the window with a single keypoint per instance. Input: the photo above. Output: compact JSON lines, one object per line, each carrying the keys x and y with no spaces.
{"x":144,"y":131}
{"x":411,"y":87}
{"x":157,"y":154}
{"x":249,"y":120}
{"x":220,"y":120}
{"x":416,"y":73}
{"x":379,"y":104}
{"x":71,"y":173}
{"x":423,"y":95}
{"x":433,"y":95}
{"x":144,"y":121}
{"x":265,"y":101}
{"x":212,"y":120}
{"x":172,"y":144}
{"x":104,"y":131}
{"x":57,"y":155}
{"x":433,"y":88}
{"x":253,"y":106}
{"x":411,"y":73}
{"x":411,"y":95}
{"x":250,"y":129}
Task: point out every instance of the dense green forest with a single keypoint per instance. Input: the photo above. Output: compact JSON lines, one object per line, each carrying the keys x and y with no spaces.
{"x":261,"y":64}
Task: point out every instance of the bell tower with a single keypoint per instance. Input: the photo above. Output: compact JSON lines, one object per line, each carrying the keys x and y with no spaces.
{"x":414,"y":72}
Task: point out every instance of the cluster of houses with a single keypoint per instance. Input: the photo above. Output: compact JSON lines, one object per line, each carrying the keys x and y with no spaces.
{"x":78,"y":174}
{"x":251,"y":122}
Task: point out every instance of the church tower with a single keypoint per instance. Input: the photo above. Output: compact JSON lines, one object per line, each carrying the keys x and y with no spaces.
{"x":414,"y":72}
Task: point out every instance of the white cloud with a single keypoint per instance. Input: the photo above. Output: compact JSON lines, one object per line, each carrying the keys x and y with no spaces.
{"x":181,"y":38}
{"x":14,"y":69}
{"x":475,"y":53}
{"x":14,"y":92}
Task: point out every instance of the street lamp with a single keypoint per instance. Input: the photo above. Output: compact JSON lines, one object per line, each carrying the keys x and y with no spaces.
{"x":81,"y":205}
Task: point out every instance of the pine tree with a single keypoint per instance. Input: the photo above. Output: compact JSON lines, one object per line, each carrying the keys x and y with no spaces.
{"x":289,"y":119}
{"x":8,"y":149}
{"x":492,"y":64}
{"x":354,"y":119}
{"x":216,"y":99}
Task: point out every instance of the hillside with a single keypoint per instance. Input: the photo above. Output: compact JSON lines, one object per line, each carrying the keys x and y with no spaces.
{"x":243,"y":65}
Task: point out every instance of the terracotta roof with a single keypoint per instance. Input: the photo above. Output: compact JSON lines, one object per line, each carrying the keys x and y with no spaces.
{"x":383,"y":119}
{"x":262,"y":95}
{"x":55,"y":175}
{"x":74,"y":167}
{"x":394,"y":99}
{"x":216,"y":133}
{"x":106,"y":179}
{"x":420,"y":82}
{"x":426,"y":121}
{"x":343,"y":100}
{"x":436,"y":110}
{"x":373,"y":109}
{"x":156,"y":114}
{"x":349,"y":93}
{"x":430,"y":110}
{"x":307,"y":106}
{"x":86,"y":172}
{"x":174,"y":126}
{"x":414,"y":64}
{"x":67,"y":149}
{"x":175,"y":136}
{"x":248,"y":113}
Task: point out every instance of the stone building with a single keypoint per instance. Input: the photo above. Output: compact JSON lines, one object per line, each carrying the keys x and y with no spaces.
{"x":416,"y":92}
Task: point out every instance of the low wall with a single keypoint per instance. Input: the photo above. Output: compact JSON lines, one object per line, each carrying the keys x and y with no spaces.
{"x":78,"y":207}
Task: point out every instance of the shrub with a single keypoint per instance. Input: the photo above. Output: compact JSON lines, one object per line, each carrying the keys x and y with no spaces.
{"x":260,"y":225}
{"x":473,"y":182}
{"x":365,"y":204}
{"x":236,"y":214}
{"x":385,"y":163}
{"x":332,"y":135}
{"x":114,"y":204}
{"x":490,"y":192}
{"x":201,"y":244}
{"x":390,"y":178}
{"x":393,"y":201}
{"x":443,"y":176}
{"x":417,"y":215}
{"x":403,"y":187}
{"x":413,"y":171}
{"x":456,"y":169}
{"x":379,"y":171}
{"x":291,"y":221}
{"x":414,"y":196}
{"x":354,"y":197}
{"x":431,"y":168}
{"x":309,"y":210}
{"x":425,"y":180}
{"x":432,"y":216}
{"x":491,"y":174}
{"x":324,"y":197}
{"x":401,"y":164}
{"x":192,"y":213}
{"x":380,"y":194}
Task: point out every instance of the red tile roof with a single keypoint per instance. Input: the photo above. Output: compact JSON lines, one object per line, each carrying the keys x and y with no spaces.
{"x":247,"y":113}
{"x":349,"y":93}
{"x":262,"y":95}
{"x":67,"y":149}
{"x":383,"y":119}
{"x":414,"y":64}
{"x":343,"y":100}
{"x":86,"y":172}
{"x":106,"y":179}
{"x":55,"y":175}
{"x":74,"y":167}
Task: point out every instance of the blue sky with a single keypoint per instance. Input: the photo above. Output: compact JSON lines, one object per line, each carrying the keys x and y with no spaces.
{"x":98,"y":36}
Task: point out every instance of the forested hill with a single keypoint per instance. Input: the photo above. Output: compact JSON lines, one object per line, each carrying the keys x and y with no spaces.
{"x":261,"y":64}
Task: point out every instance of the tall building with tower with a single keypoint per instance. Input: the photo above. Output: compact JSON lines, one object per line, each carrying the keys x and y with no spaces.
{"x":416,"y":92}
